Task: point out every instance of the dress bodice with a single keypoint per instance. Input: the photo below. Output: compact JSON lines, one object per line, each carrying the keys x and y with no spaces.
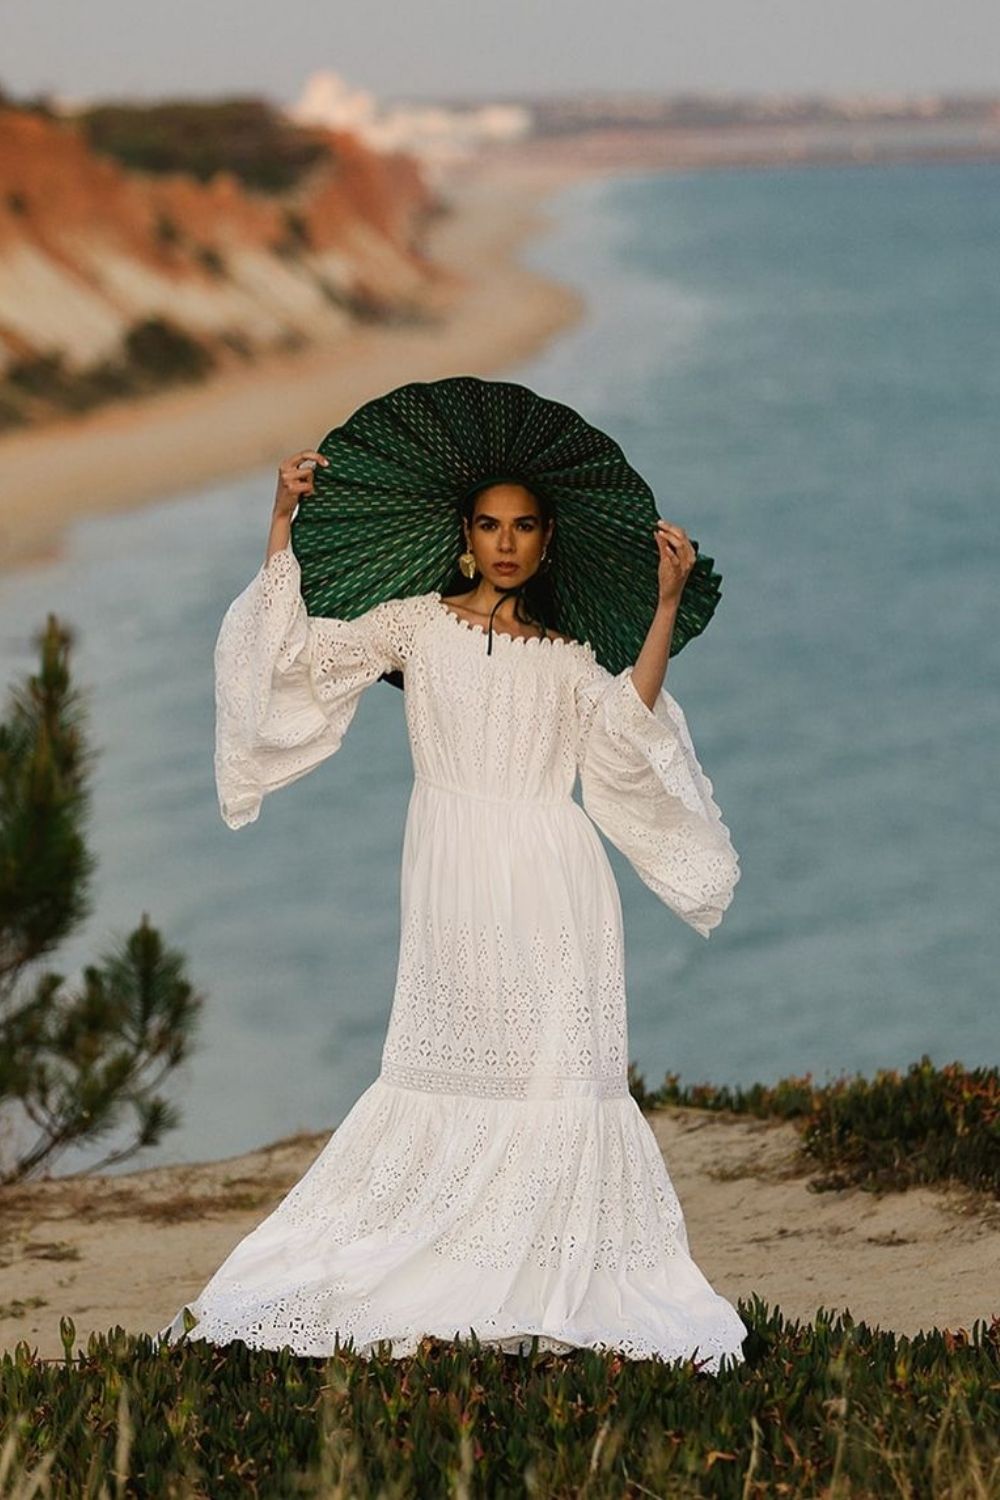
{"x":515,"y":724}
{"x":501,"y":725}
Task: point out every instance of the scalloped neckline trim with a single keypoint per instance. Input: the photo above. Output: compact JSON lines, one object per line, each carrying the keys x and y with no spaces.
{"x":506,"y":635}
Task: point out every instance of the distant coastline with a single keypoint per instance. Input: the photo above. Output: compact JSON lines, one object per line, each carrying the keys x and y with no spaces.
{"x":495,"y":312}
{"x":626,"y":146}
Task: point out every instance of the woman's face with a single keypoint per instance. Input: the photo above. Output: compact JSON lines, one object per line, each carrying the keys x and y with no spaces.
{"x":506,"y":536}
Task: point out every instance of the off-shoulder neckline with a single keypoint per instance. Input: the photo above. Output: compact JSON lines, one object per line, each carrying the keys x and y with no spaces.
{"x":505,"y":635}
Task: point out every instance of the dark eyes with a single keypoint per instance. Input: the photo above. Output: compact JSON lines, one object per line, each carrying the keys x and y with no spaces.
{"x":525,"y":522}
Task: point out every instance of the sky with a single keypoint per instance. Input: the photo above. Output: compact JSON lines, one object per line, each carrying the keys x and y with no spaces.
{"x":425,"y":49}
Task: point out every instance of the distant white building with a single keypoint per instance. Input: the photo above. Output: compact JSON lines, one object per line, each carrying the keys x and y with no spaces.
{"x":437,"y":135}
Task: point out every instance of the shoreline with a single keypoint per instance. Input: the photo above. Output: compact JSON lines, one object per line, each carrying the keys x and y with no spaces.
{"x":495,"y":312}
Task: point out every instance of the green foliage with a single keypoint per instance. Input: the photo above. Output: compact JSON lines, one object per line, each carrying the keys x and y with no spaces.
{"x":213,"y":261}
{"x":73,"y":1060}
{"x":927,"y":1125}
{"x":42,"y":383}
{"x":12,"y":411}
{"x":296,"y":238}
{"x":32,"y":104}
{"x":160,"y":351}
{"x":827,"y":1408}
{"x":166,"y":231}
{"x":245,"y":136}
{"x":44,"y":762}
{"x":155,"y":353}
{"x":788,"y":1099}
{"x":359,"y":303}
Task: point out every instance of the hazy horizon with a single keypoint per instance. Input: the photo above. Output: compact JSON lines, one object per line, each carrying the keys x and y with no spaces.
{"x":112,"y":50}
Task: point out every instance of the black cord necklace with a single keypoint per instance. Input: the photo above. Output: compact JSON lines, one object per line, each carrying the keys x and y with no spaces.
{"x":518,"y":590}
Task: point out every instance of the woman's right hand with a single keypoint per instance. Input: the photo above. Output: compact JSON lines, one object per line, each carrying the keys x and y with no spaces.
{"x":295,"y":481}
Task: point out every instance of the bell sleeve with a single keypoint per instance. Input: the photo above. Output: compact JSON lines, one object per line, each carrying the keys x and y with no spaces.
{"x":641,"y":783}
{"x":287,"y":684}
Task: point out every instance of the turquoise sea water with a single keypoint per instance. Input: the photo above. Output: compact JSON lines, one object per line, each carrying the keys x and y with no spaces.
{"x":803,"y":364}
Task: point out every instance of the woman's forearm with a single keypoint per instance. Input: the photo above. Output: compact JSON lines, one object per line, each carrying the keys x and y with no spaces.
{"x":280,"y":534}
{"x":651,"y":664}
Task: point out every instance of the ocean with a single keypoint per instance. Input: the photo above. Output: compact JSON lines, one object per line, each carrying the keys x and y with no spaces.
{"x":802,"y":362}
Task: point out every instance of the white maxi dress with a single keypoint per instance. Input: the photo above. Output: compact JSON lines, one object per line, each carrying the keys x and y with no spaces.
{"x":497,"y":1175}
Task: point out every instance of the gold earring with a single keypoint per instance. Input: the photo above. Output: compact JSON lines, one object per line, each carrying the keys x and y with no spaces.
{"x":467,"y":563}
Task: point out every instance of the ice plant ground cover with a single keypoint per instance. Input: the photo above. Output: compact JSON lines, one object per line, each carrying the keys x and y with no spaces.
{"x":830,"y":1406}
{"x":827,"y":1408}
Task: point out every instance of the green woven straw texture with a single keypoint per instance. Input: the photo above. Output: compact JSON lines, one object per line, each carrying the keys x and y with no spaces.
{"x":384,"y":520}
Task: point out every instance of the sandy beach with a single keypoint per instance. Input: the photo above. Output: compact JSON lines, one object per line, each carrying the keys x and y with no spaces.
{"x":492,"y":312}
{"x":130,"y":1249}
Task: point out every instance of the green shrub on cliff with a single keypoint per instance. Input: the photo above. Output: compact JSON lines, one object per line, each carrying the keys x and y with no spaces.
{"x":245,"y":136}
{"x":927,"y":1125}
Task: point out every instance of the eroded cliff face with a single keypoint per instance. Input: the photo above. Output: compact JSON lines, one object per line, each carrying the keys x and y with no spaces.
{"x":91,"y":252}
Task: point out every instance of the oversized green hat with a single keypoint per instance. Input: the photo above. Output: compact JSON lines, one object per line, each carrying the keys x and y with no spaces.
{"x":384,"y":520}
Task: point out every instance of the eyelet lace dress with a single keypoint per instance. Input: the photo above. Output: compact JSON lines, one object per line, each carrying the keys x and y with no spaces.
{"x":497,"y":1175}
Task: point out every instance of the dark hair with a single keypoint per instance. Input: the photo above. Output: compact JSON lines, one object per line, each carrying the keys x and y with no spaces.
{"x":535,"y":596}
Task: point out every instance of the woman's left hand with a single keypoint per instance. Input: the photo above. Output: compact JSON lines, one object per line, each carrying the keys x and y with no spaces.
{"x":677,"y":558}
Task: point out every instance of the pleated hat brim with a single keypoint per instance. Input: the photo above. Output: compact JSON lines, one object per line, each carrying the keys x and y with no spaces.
{"x":384,"y":520}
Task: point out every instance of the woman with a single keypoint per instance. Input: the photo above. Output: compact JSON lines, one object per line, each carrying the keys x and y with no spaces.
{"x":497,"y":1175}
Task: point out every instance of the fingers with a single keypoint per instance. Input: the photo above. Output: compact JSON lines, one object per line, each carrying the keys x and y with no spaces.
{"x":303,"y":462}
{"x":672,"y":536}
{"x":667,"y":528}
{"x":296,"y":473}
{"x":297,"y":479}
{"x":676,"y":549}
{"x":678,"y":546}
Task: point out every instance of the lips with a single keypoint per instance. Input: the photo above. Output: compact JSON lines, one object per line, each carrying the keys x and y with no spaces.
{"x":506,"y":567}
